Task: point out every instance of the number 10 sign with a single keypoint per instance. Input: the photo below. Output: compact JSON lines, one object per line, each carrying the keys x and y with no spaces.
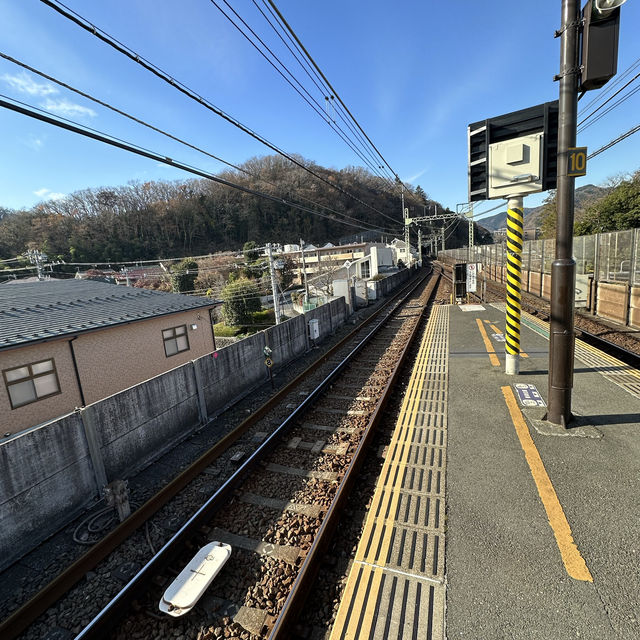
{"x":577,"y":161}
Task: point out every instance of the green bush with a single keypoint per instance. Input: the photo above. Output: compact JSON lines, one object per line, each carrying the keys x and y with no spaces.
{"x":263,"y":317}
{"x":222,"y":330}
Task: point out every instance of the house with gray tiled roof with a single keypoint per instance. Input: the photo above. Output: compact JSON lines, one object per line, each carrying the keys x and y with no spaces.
{"x":68,"y":343}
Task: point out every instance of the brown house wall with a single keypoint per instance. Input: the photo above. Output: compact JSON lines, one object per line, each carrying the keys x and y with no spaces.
{"x":14,"y":420}
{"x":108,"y":360}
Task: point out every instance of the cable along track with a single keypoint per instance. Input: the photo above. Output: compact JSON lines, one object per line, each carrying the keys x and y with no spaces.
{"x":277,"y":511}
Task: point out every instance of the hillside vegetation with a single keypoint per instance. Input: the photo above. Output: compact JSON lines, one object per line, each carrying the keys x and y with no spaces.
{"x":161,"y":219}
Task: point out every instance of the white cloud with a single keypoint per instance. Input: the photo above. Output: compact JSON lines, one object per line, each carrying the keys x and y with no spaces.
{"x":26,"y":84}
{"x":47,"y":194}
{"x":416,"y":176}
{"x":35,"y":143}
{"x":65,"y":108}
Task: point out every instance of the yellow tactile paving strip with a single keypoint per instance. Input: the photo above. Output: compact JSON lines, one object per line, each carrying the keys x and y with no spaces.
{"x":395,"y":586}
{"x":611,"y":368}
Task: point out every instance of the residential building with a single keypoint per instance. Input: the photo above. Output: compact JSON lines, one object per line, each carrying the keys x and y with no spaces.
{"x":68,"y":343}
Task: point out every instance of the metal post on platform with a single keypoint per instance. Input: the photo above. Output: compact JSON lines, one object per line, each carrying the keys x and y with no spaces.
{"x":563,"y":268}
{"x":515,"y":236}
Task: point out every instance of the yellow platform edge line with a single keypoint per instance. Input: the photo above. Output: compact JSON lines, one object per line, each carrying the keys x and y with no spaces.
{"x":572,"y":559}
{"x":487,"y":344}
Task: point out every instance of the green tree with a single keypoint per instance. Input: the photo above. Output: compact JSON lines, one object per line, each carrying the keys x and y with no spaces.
{"x":241,"y":299}
{"x":183,"y":275}
{"x":287,"y":274}
{"x":250,"y":253}
{"x":618,"y":210}
{"x":548,"y":216}
{"x":421,"y":194}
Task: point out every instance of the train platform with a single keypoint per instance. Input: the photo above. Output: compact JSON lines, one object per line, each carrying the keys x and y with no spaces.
{"x":487,"y":522}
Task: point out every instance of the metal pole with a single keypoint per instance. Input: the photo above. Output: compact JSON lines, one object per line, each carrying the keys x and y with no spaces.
{"x":274,"y":284}
{"x":563,"y":269}
{"x":419,"y":247}
{"x":515,"y":236}
{"x":470,"y":255}
{"x":304,"y":270}
{"x":405,"y":216}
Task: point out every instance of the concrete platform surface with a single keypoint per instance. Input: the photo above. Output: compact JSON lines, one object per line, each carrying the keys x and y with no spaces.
{"x":543,"y":525}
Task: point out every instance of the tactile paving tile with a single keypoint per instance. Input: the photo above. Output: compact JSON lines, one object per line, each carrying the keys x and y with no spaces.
{"x":395,"y":588}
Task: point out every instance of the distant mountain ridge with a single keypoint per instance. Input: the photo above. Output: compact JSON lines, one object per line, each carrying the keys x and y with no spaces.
{"x":584,"y":196}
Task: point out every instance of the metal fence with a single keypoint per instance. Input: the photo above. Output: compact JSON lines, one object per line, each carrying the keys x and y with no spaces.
{"x":606,"y":257}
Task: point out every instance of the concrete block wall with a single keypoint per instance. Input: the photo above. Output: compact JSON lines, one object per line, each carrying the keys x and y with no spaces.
{"x":287,"y":339}
{"x":47,"y":480}
{"x":231,"y":372}
{"x":141,"y":423}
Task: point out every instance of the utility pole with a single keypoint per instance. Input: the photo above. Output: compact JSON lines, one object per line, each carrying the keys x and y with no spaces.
{"x":419,"y":247}
{"x":405,"y":218}
{"x":442,"y":232}
{"x":37,"y":258}
{"x":304,"y":270}
{"x":471,"y":252}
{"x":274,"y":284}
{"x":563,"y":268}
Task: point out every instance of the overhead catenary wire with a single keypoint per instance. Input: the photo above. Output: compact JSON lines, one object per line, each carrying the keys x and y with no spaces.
{"x":74,"y":17}
{"x":164,"y":133}
{"x":44,"y":116}
{"x":334,"y":92}
{"x":317,"y":80}
{"x":309,"y":99}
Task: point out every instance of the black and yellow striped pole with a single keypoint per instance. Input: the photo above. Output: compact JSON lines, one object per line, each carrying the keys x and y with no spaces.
{"x":515,"y":236}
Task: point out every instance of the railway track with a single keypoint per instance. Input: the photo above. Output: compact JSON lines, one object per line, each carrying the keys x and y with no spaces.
{"x":292,"y":528}
{"x":540,"y":308}
{"x":277,"y":511}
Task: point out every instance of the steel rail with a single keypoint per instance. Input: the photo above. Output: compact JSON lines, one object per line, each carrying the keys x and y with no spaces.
{"x":111,"y":614}
{"x":25,"y":615}
{"x":627,"y":356}
{"x":307,"y":573}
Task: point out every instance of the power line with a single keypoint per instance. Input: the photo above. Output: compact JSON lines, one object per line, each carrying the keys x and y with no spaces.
{"x":310,"y":100}
{"x":611,"y":85}
{"x":69,"y":125}
{"x":74,"y":17}
{"x":335,"y":93}
{"x":306,"y":67}
{"x":624,"y":98}
{"x":162,"y":132}
{"x":608,"y":100}
{"x":614,"y":142}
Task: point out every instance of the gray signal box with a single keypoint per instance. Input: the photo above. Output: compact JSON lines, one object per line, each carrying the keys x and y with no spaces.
{"x":515,"y":153}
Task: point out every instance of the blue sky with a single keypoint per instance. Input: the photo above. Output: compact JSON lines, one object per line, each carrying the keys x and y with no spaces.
{"x":414,"y":74}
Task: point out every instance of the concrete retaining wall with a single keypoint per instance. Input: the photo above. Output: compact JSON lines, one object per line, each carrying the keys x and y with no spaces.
{"x":47,"y":480}
{"x":141,"y":423}
{"x":50,"y":474}
{"x":231,"y":372}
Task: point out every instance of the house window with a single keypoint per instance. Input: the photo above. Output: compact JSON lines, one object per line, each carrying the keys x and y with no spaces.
{"x":175,"y":340}
{"x":31,"y":382}
{"x":365,"y":270}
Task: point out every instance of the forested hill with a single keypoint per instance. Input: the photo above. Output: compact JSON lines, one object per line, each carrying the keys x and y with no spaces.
{"x":160,"y":219}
